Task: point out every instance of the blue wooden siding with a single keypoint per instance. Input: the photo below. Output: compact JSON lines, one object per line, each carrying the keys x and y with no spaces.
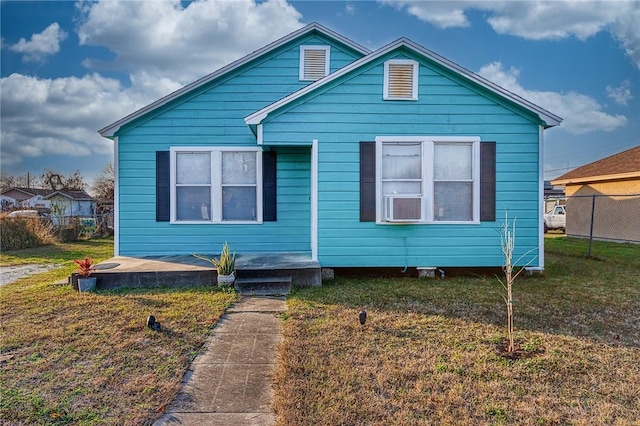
{"x":213,"y":116}
{"x":352,"y":110}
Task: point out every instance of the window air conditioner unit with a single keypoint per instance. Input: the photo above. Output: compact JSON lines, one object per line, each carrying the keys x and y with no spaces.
{"x":402,"y":209}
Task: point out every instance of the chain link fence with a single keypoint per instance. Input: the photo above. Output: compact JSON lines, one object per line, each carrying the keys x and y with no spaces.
{"x":604,"y":217}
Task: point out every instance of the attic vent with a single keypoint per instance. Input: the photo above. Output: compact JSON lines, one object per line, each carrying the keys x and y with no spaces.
{"x":314,"y":62}
{"x":401,"y":79}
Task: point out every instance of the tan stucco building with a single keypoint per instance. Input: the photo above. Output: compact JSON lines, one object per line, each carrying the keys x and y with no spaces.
{"x":612,"y":186}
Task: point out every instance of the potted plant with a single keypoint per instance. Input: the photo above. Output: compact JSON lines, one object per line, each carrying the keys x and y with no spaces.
{"x":85,"y":281}
{"x":225,"y":265}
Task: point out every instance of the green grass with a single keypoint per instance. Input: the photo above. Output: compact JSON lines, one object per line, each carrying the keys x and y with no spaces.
{"x":427,"y":354}
{"x":59,"y":253}
{"x":72,"y":358}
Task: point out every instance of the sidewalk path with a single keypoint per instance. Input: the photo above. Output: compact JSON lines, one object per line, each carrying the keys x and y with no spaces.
{"x":230,"y":383}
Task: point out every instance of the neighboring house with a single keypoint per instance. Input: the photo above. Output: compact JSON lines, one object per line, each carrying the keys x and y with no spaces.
{"x":25,"y":198}
{"x":315,"y":145}
{"x":72,"y":203}
{"x":612,"y":185}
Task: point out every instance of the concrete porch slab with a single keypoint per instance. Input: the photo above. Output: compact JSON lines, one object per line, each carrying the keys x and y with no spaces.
{"x":186,"y":270}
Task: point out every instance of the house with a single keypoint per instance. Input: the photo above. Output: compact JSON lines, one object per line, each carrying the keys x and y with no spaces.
{"x":611,"y":187}
{"x":315,"y":145}
{"x":71,"y":203}
{"x":32,"y":198}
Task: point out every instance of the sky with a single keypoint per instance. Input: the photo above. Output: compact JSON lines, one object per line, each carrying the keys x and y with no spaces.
{"x":68,"y":69}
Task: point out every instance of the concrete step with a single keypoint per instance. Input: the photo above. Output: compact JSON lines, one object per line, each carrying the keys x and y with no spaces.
{"x":264,"y":286}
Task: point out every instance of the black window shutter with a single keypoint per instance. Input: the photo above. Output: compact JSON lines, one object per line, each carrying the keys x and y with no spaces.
{"x":488,"y":181}
{"x":269,"y":192}
{"x":163,"y":190}
{"x":367,"y":181}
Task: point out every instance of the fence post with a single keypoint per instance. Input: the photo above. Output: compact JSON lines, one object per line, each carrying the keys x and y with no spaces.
{"x":593,"y":210}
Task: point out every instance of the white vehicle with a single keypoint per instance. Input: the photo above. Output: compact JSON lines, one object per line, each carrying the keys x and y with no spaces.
{"x":24,"y":213}
{"x":556,"y":218}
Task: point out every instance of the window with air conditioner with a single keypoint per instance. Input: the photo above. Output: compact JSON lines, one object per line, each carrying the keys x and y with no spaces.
{"x":400,"y":80}
{"x":402,"y":181}
{"x":314,"y":62}
{"x":428,"y":179}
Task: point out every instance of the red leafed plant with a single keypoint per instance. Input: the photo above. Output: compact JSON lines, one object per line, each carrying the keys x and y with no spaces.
{"x":84,"y":266}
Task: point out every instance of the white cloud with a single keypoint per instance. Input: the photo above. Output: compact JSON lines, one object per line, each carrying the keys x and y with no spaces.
{"x":621,"y":94}
{"x":539,"y":20}
{"x":162,"y":44}
{"x":439,"y":13}
{"x":60,"y":116}
{"x":41,"y":45}
{"x":350,"y":8}
{"x":168,"y":40}
{"x":581,"y":113}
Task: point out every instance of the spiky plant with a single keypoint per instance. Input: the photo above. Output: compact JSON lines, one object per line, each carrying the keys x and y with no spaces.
{"x":226,"y":264}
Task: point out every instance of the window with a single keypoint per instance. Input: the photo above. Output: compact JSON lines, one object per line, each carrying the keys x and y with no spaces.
{"x":400,"y":80}
{"x":314,"y":62}
{"x":215,"y":185}
{"x":428,"y":179}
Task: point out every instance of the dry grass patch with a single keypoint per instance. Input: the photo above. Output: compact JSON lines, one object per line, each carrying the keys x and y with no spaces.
{"x":426,"y":354}
{"x":72,"y":358}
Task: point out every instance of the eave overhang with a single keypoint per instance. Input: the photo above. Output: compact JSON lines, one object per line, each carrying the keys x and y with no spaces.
{"x":591,"y":179}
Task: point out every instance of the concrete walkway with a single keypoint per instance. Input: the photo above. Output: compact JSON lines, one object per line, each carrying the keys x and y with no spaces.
{"x":230,"y":383}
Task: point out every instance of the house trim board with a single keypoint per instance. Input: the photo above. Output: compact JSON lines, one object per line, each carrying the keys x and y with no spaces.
{"x":314,"y":200}
{"x":116,"y":200}
{"x":541,"y":199}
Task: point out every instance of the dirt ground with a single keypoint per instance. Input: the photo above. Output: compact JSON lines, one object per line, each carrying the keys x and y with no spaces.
{"x":9,"y":274}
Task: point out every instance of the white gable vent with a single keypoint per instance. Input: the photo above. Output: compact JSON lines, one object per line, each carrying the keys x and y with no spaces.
{"x":314,"y":62}
{"x":401,"y":79}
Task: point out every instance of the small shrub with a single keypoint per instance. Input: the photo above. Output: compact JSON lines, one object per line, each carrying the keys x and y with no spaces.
{"x":17,"y":233}
{"x":85,"y":266}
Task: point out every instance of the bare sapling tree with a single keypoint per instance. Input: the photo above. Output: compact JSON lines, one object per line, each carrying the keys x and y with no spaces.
{"x":508,"y":245}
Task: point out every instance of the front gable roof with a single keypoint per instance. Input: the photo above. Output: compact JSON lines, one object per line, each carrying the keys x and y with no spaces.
{"x":31,"y":192}
{"x":623,"y":165}
{"x":548,"y":119}
{"x":110,"y":130}
{"x":73,"y":195}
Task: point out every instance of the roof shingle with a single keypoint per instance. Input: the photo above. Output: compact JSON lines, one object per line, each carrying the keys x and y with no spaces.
{"x":625,"y":162}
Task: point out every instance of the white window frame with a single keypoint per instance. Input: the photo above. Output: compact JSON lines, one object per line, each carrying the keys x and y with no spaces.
{"x":216,"y":184}
{"x":385,"y":87}
{"x":428,"y":143}
{"x":303,"y":49}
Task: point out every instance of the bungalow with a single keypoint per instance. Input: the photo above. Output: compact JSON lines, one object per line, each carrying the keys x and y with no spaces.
{"x":31,"y":198}
{"x":315,"y":145}
{"x":72,"y":203}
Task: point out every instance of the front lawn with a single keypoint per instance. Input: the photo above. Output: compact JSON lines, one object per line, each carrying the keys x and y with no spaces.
{"x":71,"y":358}
{"x":427,"y":353}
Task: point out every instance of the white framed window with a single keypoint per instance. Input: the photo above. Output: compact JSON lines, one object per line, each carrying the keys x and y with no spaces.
{"x":427,"y":179}
{"x":216,"y":185}
{"x":314,"y":62}
{"x":400,"y":80}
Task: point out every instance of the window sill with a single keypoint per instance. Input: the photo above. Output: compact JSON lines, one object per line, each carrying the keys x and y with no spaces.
{"x":435,"y":222}
{"x":208,"y":222}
